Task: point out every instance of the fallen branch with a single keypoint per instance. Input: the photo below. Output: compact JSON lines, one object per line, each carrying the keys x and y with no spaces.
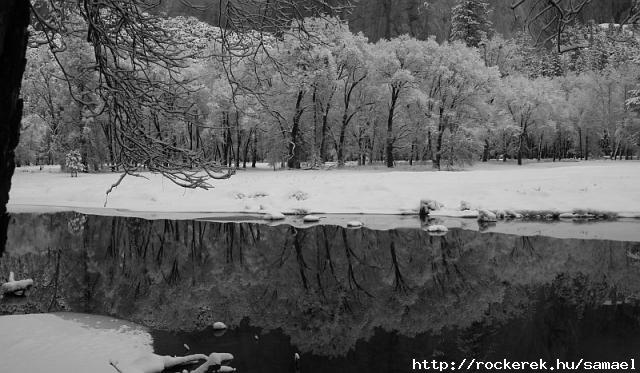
{"x":14,"y":287}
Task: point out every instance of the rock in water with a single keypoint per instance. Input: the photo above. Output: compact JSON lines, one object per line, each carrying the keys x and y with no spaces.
{"x":219,"y":326}
{"x":427,"y":205}
{"x":487,"y":216}
{"x":513,"y":214}
{"x":355,"y":224}
{"x":311,"y":219}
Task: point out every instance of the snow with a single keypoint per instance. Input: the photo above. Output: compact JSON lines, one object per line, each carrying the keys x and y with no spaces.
{"x":311,"y":219}
{"x":218,"y":325}
{"x":437,"y":228}
{"x":15,"y":287}
{"x":68,"y":342}
{"x":563,"y":187}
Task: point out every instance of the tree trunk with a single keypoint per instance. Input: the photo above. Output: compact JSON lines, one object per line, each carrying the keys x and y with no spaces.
{"x":430,"y":146}
{"x":586,"y":145}
{"x":343,"y":131}
{"x":413,"y":150}
{"x":485,"y":151}
{"x":245,"y":154}
{"x":14,"y":19}
{"x":372,"y":143}
{"x":238,"y":140}
{"x":580,"y":143}
{"x":540,"y":147}
{"x":392,"y":107}
{"x":323,"y":133}
{"x":293,"y":160}
{"x":316,"y":152}
{"x":442,"y":124}
{"x":521,"y":142}
{"x":254,"y":149}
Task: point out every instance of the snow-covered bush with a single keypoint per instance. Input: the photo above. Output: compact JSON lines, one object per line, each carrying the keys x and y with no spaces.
{"x":73,"y":162}
{"x":459,"y":148}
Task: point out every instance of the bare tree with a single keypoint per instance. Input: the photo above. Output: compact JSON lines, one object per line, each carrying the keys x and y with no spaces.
{"x":128,"y":43}
{"x":547,"y":20}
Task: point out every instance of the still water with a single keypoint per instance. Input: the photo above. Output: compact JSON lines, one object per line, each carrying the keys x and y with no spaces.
{"x":345,"y":300}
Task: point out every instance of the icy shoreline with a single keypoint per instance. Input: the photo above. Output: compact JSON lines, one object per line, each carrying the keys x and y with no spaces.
{"x":620,"y":229}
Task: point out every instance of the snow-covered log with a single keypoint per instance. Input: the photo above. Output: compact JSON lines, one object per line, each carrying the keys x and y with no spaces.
{"x":15,"y":287}
{"x":215,"y":360}
{"x":152,"y":363}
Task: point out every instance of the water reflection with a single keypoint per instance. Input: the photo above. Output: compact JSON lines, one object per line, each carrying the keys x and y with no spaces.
{"x":368,"y":299}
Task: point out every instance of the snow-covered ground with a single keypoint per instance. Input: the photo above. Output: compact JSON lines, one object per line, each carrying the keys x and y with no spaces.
{"x":68,"y":342}
{"x":601,"y":185}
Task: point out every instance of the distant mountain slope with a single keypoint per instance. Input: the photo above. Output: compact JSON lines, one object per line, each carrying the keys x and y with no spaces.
{"x":389,"y":18}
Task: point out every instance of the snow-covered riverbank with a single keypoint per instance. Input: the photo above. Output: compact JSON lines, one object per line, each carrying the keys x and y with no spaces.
{"x":68,"y":342}
{"x":562,"y":187}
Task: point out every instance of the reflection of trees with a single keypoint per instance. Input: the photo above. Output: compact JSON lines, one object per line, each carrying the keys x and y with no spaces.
{"x":325,"y":287}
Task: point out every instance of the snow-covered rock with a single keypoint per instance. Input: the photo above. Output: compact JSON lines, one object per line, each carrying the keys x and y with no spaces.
{"x":566,"y":215}
{"x":513,"y":214}
{"x":427,"y":205}
{"x":311,"y":219}
{"x":273,"y":215}
{"x":218,"y":325}
{"x":355,"y":224}
{"x":487,"y":216}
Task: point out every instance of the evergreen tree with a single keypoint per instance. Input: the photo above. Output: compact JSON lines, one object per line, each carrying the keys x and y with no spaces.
{"x":73,"y":162}
{"x":470,"y":22}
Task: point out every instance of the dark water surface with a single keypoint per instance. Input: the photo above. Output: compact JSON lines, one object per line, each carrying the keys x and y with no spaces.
{"x":346,"y":300}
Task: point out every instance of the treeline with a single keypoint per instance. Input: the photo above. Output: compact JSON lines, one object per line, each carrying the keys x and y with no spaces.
{"x":330,"y":95}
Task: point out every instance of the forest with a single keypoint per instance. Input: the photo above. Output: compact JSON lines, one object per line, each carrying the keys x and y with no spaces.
{"x":327,"y":94}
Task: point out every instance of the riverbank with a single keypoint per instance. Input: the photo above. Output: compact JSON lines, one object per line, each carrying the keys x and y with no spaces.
{"x":598,"y":186}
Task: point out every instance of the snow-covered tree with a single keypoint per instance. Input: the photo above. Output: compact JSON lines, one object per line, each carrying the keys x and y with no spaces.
{"x":470,"y":22}
{"x":73,"y":162}
{"x":396,"y":63}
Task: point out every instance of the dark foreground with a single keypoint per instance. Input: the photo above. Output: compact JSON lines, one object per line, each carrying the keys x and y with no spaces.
{"x":345,"y":300}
